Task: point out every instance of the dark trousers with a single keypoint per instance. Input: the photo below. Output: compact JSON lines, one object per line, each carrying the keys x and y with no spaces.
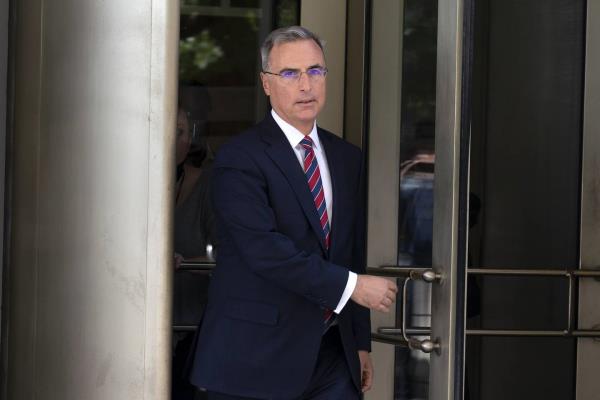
{"x":331,"y":378}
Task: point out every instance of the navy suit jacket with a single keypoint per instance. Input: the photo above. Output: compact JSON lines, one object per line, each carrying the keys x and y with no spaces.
{"x":263,"y":324}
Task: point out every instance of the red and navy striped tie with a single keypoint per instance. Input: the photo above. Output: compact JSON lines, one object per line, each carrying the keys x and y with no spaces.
{"x":313,"y":176}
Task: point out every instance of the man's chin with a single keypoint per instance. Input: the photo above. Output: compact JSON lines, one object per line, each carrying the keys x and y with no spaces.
{"x":308,"y":113}
{"x":307,"y":119}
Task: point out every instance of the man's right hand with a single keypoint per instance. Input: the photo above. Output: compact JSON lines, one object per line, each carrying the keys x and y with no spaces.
{"x":374,"y":292}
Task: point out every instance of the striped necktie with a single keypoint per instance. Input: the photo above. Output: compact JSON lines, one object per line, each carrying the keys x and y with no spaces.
{"x":313,"y":176}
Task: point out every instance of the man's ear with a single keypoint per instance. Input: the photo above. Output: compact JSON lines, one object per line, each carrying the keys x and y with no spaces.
{"x":265,"y":84}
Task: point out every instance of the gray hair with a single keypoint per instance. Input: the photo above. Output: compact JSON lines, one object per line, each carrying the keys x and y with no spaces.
{"x":286,"y":35}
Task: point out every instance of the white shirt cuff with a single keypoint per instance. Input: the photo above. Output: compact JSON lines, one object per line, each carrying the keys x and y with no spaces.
{"x":350,"y":285}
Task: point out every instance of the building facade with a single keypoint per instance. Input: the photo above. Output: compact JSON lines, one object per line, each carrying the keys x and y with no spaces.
{"x":479,"y":125}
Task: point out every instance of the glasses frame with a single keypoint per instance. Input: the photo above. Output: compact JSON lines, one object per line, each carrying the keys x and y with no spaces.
{"x":297,"y":79}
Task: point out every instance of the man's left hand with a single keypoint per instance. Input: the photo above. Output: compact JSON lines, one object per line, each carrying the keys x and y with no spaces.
{"x":366,"y":370}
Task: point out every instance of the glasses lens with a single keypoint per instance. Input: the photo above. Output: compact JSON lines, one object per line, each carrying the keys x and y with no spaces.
{"x":288,"y":74}
{"x":315,"y":72}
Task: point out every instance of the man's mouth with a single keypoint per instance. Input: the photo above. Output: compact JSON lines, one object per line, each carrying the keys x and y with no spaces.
{"x":305,"y":101}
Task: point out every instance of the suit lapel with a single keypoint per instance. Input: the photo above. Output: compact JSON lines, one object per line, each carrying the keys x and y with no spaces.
{"x":284,"y":157}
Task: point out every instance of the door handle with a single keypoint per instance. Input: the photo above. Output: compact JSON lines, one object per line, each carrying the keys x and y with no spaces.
{"x":425,"y":345}
{"x":390,"y":335}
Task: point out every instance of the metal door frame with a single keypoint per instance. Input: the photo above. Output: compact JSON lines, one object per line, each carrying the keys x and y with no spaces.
{"x":449,"y":261}
{"x":445,"y":378}
{"x":587,"y":385}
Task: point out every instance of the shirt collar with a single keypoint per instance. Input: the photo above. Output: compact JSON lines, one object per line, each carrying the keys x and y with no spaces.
{"x":293,"y":135}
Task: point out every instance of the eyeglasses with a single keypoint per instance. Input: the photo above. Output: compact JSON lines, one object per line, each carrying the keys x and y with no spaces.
{"x":293,"y":75}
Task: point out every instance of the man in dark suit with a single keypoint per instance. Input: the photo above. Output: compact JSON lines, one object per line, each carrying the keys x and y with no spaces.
{"x":287,"y":316}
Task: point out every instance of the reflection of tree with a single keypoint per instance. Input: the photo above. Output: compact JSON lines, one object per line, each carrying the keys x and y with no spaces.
{"x":237,"y":42}
{"x":198,"y":51}
{"x":287,"y":12}
{"x":222,"y":50}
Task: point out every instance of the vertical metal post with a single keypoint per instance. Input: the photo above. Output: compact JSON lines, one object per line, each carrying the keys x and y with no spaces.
{"x":446,"y":192}
{"x":383,"y":146}
{"x":357,"y":64}
{"x":91,"y":181}
{"x":588,"y":350}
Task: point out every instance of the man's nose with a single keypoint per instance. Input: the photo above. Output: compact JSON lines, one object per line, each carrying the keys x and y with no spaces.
{"x":304,"y":81}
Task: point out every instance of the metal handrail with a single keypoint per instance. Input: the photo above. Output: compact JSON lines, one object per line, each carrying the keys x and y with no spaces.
{"x":578,"y":333}
{"x":389,"y":272}
{"x":571,"y":274}
{"x":184,"y":328}
{"x":403,"y":271}
{"x":204,"y":267}
{"x":388,"y":339}
{"x":578,"y":273}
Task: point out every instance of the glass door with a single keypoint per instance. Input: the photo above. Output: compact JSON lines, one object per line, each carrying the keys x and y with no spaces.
{"x":414,"y":195}
{"x":483,"y":198}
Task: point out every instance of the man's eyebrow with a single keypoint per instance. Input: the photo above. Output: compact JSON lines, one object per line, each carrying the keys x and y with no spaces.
{"x":297,"y":69}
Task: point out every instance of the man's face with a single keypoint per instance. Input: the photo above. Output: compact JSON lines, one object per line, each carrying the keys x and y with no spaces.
{"x":297,"y":102}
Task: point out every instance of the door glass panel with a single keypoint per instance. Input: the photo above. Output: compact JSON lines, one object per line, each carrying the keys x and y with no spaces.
{"x":417,"y":160}
{"x":524,"y":181}
{"x":219,"y":96}
{"x":405,"y":58}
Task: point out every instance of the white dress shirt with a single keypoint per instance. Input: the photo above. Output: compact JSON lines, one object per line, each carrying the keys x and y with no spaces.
{"x":294,"y":136}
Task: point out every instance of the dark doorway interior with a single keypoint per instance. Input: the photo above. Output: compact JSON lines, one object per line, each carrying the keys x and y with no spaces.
{"x":524,"y":177}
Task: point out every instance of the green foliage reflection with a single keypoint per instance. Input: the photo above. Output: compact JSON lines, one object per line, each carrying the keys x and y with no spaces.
{"x":198,"y":52}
